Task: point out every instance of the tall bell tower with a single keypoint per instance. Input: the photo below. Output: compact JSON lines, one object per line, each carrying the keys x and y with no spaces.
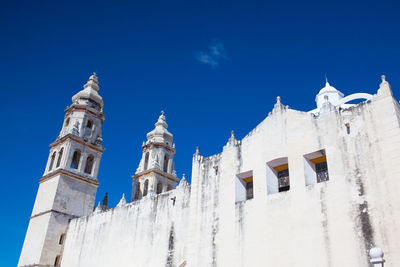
{"x":156,"y":171}
{"x":68,"y":187}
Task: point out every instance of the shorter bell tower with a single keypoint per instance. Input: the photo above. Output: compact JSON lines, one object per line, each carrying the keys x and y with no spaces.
{"x":156,"y":171}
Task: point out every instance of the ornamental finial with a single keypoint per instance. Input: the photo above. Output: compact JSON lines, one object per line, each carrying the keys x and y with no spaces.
{"x":122,"y":202}
{"x":93,"y":82}
{"x":383,"y":77}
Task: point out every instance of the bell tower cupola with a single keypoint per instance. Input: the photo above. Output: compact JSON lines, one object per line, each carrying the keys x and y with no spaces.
{"x":78,"y":148}
{"x":156,"y":171}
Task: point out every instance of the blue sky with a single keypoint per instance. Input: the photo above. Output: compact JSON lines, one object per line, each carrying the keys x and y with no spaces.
{"x":213,"y":66}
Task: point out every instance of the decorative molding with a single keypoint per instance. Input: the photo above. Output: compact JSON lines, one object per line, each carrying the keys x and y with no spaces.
{"x":68,"y":174}
{"x":146,"y":172}
{"x":72,"y":137}
{"x":158,"y":145}
{"x":73,"y":107}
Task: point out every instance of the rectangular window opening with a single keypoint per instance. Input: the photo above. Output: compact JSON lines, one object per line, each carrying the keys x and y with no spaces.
{"x":57,"y":261}
{"x":62,"y":237}
{"x":244,"y":186}
{"x":278,"y":176}
{"x":316,"y":167}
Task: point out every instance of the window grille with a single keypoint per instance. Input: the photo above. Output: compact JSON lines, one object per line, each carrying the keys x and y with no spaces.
{"x":322,"y":172}
{"x":283,"y":180}
{"x":249,"y":190}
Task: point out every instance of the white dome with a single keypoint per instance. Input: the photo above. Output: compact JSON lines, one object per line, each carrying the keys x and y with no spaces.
{"x":327,"y":88}
{"x":328,"y":93}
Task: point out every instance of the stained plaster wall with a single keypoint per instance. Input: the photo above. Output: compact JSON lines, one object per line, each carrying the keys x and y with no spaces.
{"x":147,"y":232}
{"x":332,"y":223}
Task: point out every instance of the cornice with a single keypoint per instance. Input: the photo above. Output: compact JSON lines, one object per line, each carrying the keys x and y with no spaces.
{"x":76,"y":139}
{"x":68,"y":174}
{"x":148,"y":146}
{"x":78,"y":107}
{"x":147,"y":172}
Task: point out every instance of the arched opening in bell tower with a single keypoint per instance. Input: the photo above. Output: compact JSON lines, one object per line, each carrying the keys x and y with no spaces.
{"x":59,"y":157}
{"x":146,"y":187}
{"x":159,"y":187}
{"x":166,"y":159}
{"x":75,"y":159}
{"x":89,"y":164}
{"x":89,"y":124}
{"x":146,"y":161}
{"x":137,"y":193}
{"x":52,"y":161}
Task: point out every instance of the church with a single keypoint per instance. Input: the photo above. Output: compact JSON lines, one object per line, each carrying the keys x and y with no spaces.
{"x":303,"y":188}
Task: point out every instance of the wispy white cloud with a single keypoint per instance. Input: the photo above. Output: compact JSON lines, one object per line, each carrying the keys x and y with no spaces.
{"x":214,"y":56}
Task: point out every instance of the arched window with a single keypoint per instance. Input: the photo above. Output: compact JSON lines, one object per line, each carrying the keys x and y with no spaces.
{"x":146,"y":187}
{"x":137,"y":190}
{"x":146,"y":161}
{"x":89,"y":124}
{"x":59,"y":157}
{"x":52,"y":161}
{"x":169,"y":187}
{"x":67,"y":122}
{"x":89,"y":164}
{"x":75,"y":159}
{"x":159,"y":187}
{"x":166,"y":162}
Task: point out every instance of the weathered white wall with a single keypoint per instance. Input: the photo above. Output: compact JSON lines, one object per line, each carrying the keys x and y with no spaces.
{"x":333,"y":223}
{"x":326,"y":224}
{"x":148,"y":232}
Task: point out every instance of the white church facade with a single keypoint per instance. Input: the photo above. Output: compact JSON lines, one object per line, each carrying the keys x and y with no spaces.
{"x":317,"y":188}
